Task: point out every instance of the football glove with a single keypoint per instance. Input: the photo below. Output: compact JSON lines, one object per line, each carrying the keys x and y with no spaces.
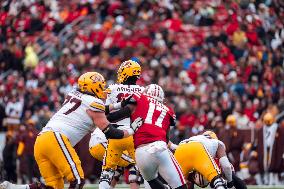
{"x":138,"y":122}
{"x":128,"y":100}
{"x":230,"y":185}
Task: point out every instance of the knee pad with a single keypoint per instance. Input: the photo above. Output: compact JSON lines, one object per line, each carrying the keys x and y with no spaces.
{"x":134,"y":175}
{"x":77,"y":184}
{"x":218,"y":183}
{"x":118,"y":172}
{"x":107,"y":176}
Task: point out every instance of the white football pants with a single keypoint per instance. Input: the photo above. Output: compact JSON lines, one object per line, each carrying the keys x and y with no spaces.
{"x":156,"y":157}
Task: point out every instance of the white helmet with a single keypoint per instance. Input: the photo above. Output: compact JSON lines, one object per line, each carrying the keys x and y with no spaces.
{"x":155,"y":91}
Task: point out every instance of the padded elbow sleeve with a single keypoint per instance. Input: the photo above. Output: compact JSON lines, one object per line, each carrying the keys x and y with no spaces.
{"x":113,"y":133}
{"x":107,"y":109}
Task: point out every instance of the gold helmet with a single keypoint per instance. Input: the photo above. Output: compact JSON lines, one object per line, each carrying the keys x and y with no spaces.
{"x":92,"y":83}
{"x":127,"y":69}
{"x":210,"y":134}
{"x":268,"y":119}
{"x":231,"y":120}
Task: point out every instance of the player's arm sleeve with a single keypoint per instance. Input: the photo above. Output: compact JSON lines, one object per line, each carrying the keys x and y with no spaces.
{"x":119,"y":115}
{"x":224,"y":162}
{"x":111,"y":132}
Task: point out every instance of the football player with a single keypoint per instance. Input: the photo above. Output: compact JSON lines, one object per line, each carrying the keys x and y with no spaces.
{"x":127,"y":76}
{"x":197,"y":154}
{"x":82,"y":110}
{"x":151,"y":120}
{"x":97,"y":148}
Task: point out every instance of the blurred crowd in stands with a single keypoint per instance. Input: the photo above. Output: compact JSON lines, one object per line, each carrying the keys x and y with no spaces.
{"x":217,"y":60}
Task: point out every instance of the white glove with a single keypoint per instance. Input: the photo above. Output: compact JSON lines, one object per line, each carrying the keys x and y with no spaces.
{"x":138,"y":122}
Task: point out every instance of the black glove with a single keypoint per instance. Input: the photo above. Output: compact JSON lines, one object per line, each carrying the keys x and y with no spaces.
{"x":128,"y":100}
{"x":230,"y":184}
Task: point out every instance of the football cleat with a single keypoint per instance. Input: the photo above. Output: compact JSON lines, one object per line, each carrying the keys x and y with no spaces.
{"x":118,"y":172}
{"x":9,"y":185}
{"x":134,"y":175}
{"x":106,"y":178}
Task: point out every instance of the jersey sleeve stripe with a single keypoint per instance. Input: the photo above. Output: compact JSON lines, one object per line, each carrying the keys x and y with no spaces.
{"x":98,"y":106}
{"x":212,"y":160}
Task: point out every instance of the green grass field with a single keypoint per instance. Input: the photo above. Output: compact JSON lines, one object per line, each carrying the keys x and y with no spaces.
{"x":123,"y":186}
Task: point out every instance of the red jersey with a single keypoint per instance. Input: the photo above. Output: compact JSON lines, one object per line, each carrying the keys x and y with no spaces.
{"x":157,"y":120}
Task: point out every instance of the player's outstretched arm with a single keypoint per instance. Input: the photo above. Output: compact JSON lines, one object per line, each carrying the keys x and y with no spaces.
{"x":120,"y":105}
{"x":110,"y":130}
{"x":225,"y":163}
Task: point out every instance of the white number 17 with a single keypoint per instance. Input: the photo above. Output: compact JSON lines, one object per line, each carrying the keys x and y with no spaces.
{"x":152,"y":108}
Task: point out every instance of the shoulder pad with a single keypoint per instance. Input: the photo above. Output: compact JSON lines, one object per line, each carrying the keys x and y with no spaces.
{"x":95,"y":104}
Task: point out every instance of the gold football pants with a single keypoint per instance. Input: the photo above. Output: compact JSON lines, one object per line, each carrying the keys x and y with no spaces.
{"x":193,"y":156}
{"x":57,"y":159}
{"x":115,"y":149}
{"x":98,"y":152}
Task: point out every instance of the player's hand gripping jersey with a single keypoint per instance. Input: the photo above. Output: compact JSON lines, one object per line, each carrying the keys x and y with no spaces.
{"x":72,"y":120}
{"x":157,"y":119}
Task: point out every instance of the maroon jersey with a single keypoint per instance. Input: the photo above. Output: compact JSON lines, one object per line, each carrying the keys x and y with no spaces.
{"x":157,"y":120}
